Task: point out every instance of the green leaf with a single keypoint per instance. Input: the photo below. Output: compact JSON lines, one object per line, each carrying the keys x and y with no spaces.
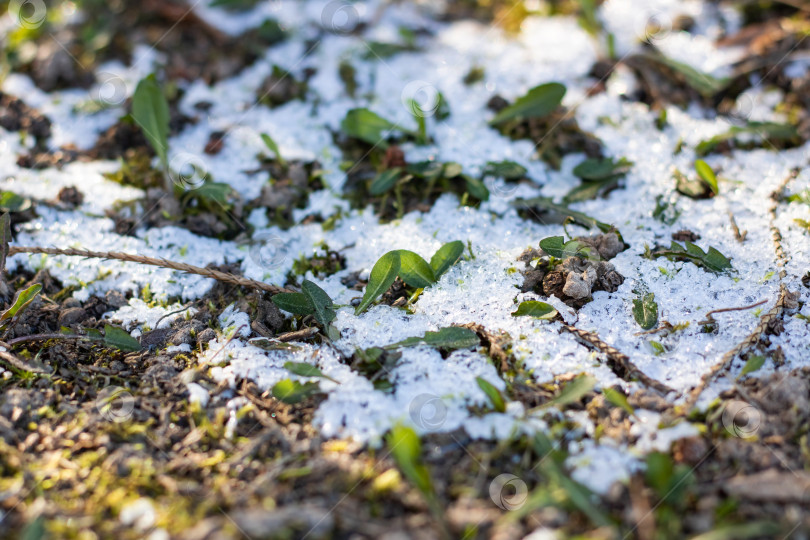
{"x":508,"y":170}
{"x":573,"y":391}
{"x":302,"y":369}
{"x":767,"y":131}
{"x":21,"y":302}
{"x":292,"y":392}
{"x":445,"y":257}
{"x":320,"y":301}
{"x":381,"y":278}
{"x":537,"y":103}
{"x":751,"y":365}
{"x":273,"y":147}
{"x":367,"y":126}
{"x":538,"y":310}
{"x":449,"y":338}
{"x":707,"y":175}
{"x":618,"y":399}
{"x":595,"y":169}
{"x":476,"y":187}
{"x":11,"y":202}
{"x":384,"y":181}
{"x":407,"y":452}
{"x":693,"y":188}
{"x":712,"y":260}
{"x":414,"y":270}
{"x":451,"y":169}
{"x":295,"y":303}
{"x":706,"y":85}
{"x":645,"y":311}
{"x":494,"y":395}
{"x":214,"y":192}
{"x":556,"y":246}
{"x":120,"y":339}
{"x":150,"y":110}
{"x":590,"y":190}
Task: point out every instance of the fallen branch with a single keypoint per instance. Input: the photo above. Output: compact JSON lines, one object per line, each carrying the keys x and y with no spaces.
{"x":162,"y":263}
{"x":619,"y":362}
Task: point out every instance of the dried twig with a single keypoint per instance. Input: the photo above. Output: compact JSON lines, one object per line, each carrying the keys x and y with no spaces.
{"x":767,"y":319}
{"x":740,"y":236}
{"x":163,"y":263}
{"x":619,"y":362}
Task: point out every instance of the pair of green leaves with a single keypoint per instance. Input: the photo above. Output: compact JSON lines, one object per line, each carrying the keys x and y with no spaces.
{"x":538,"y":102}
{"x":311,"y":301}
{"x":598,"y":176}
{"x":409,"y":266}
{"x":711,"y":260}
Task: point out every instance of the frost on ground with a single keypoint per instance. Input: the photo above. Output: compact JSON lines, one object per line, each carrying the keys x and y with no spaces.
{"x":430,"y":392}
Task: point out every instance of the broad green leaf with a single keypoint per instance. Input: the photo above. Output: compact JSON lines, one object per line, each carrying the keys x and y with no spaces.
{"x":367,"y":126}
{"x":538,"y":310}
{"x":573,"y":391}
{"x":120,"y":339}
{"x":595,"y":169}
{"x":320,"y":301}
{"x":21,"y":302}
{"x":508,"y":170}
{"x":214,"y":191}
{"x":382,"y":276}
{"x":476,"y":187}
{"x":706,"y":85}
{"x":302,"y":369}
{"x":645,"y":311}
{"x":493,"y":394}
{"x":273,"y":147}
{"x":537,"y":103}
{"x":11,"y":202}
{"x":150,"y":110}
{"x":449,"y":338}
{"x":707,"y":174}
{"x":618,"y":399}
{"x":751,"y":365}
{"x":407,"y":452}
{"x":414,"y":270}
{"x":292,"y":392}
{"x":295,"y":303}
{"x":445,"y":257}
{"x":384,"y":181}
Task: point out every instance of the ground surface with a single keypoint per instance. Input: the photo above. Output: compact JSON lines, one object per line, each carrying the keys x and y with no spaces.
{"x":583,"y":422}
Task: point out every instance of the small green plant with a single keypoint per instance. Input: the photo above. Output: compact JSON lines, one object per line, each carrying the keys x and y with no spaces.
{"x":711,"y":260}
{"x":449,"y":338}
{"x":537,"y":103}
{"x":150,"y":110}
{"x":598,"y":177}
{"x":369,"y":127}
{"x":312,"y":301}
{"x":557,"y":247}
{"x":411,"y":268}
